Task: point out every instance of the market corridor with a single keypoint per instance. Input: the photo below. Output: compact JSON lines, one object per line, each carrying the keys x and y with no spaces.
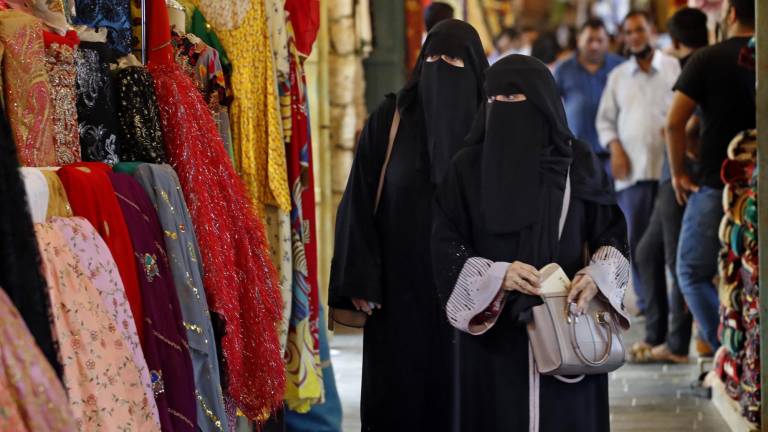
{"x":647,"y":398}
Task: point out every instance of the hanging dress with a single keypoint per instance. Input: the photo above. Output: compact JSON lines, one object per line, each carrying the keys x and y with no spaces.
{"x":162,"y":187}
{"x":139,"y":116}
{"x":165,"y":340}
{"x":102,"y":381}
{"x":62,"y":74}
{"x":96,"y":261}
{"x":112,"y":14}
{"x":91,"y":196}
{"x":58,"y":203}
{"x":31,"y":396}
{"x":100,"y":138}
{"x":238,"y":276}
{"x":26,"y":91}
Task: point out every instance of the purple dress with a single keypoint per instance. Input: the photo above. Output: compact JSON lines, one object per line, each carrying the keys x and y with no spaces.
{"x":165,"y":340}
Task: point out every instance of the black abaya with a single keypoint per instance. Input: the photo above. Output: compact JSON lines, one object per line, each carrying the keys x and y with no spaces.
{"x":384,"y":257}
{"x":493,"y":368}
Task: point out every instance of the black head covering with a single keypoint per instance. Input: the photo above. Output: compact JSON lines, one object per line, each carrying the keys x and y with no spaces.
{"x":449,"y":96}
{"x":436,"y":13}
{"x":525,"y":144}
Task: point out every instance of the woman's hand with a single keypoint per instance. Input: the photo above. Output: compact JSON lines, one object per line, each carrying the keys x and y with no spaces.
{"x":583,"y":290}
{"x":365,"y":305}
{"x":522,"y":277}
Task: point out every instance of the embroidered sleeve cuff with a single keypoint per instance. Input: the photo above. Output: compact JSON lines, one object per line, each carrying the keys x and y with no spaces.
{"x":477,"y":298}
{"x":609,"y":268}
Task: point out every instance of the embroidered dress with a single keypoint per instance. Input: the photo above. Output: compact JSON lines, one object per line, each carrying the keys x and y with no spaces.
{"x":165,"y":340}
{"x":62,"y":74}
{"x":26,"y":90}
{"x":139,"y":116}
{"x":102,"y":381}
{"x":162,"y":186}
{"x":113,"y":14}
{"x":31,"y":396}
{"x":96,"y":108}
{"x":96,"y":261}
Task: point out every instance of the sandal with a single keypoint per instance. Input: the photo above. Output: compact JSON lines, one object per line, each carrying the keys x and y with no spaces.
{"x":662,"y":354}
{"x":640,"y":353}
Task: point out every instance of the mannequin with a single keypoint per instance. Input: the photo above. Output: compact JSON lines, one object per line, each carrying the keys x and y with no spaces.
{"x":176,"y":16}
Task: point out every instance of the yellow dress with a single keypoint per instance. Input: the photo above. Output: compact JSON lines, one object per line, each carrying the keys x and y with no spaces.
{"x":255,"y":120}
{"x":58,"y":202}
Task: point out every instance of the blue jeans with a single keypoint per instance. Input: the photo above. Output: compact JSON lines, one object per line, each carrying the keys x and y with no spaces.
{"x":637,"y":203}
{"x":697,"y":255}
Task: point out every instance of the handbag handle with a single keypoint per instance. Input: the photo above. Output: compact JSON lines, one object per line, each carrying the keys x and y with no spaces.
{"x":390,"y":146}
{"x":572,"y":320}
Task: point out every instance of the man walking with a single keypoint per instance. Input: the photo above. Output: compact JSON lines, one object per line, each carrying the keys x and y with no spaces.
{"x":630,"y":123}
{"x":581,"y":80}
{"x":724,"y":90}
{"x":668,"y":323}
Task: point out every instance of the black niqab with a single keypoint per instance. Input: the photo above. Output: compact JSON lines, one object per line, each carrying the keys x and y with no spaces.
{"x":449,"y":95}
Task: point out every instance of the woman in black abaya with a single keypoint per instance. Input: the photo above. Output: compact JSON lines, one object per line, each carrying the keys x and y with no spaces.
{"x":498,"y":220}
{"x":383,"y":257}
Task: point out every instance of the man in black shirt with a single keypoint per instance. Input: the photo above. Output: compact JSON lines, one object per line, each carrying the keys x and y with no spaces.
{"x":724,"y":90}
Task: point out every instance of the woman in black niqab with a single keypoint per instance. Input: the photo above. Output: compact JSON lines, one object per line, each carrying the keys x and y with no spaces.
{"x":384,"y":256}
{"x":497,"y":219}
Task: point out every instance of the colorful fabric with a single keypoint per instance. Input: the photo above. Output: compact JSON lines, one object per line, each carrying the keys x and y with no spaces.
{"x":139,"y":116}
{"x":113,"y":14}
{"x":97,"y":263}
{"x":304,"y":384}
{"x":278,"y":226}
{"x":305,"y":19}
{"x":256,"y":133}
{"x":58,"y":203}
{"x":102,"y":381}
{"x":165,"y":340}
{"x":162,"y":187}
{"x":239,"y":278}
{"x":62,"y":75}
{"x":31,"y":396}
{"x":26,"y":90}
{"x":92,"y":197}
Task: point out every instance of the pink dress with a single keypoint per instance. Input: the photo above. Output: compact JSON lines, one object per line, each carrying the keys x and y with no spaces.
{"x":96,"y":261}
{"x":31,"y":396}
{"x":103,"y":382}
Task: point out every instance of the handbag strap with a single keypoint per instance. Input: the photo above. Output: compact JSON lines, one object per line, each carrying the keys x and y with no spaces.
{"x":390,"y":146}
{"x":566,"y":204}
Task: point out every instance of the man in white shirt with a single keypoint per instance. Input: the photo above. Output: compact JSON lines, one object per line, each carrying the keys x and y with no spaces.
{"x":630,"y":123}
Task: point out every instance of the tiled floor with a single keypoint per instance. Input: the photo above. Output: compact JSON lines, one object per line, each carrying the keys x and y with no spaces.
{"x":644,"y":398}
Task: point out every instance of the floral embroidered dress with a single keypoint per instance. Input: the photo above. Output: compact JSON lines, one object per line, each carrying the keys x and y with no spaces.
{"x":31,"y":396}
{"x":102,"y":381}
{"x":26,"y":90}
{"x":96,"y":261}
{"x":239,"y":277}
{"x":62,"y":74}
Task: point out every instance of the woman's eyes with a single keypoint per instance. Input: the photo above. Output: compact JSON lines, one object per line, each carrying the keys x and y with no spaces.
{"x":519,"y":97}
{"x":453,"y":61}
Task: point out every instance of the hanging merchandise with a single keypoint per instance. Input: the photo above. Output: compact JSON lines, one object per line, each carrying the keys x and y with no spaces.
{"x":103,"y":384}
{"x":26,"y":91}
{"x":92,"y":197}
{"x":304,"y":386}
{"x":112,"y":14}
{"x":20,"y":274}
{"x":256,"y":133}
{"x":305,"y":17}
{"x":165,"y":340}
{"x":738,"y":361}
{"x":96,"y":109}
{"x":139,"y":116}
{"x":96,"y":261}
{"x":58,"y":203}
{"x":31,"y":396}
{"x":162,"y":186}
{"x":36,"y":188}
{"x":239,"y":277}
{"x":60,"y":65}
